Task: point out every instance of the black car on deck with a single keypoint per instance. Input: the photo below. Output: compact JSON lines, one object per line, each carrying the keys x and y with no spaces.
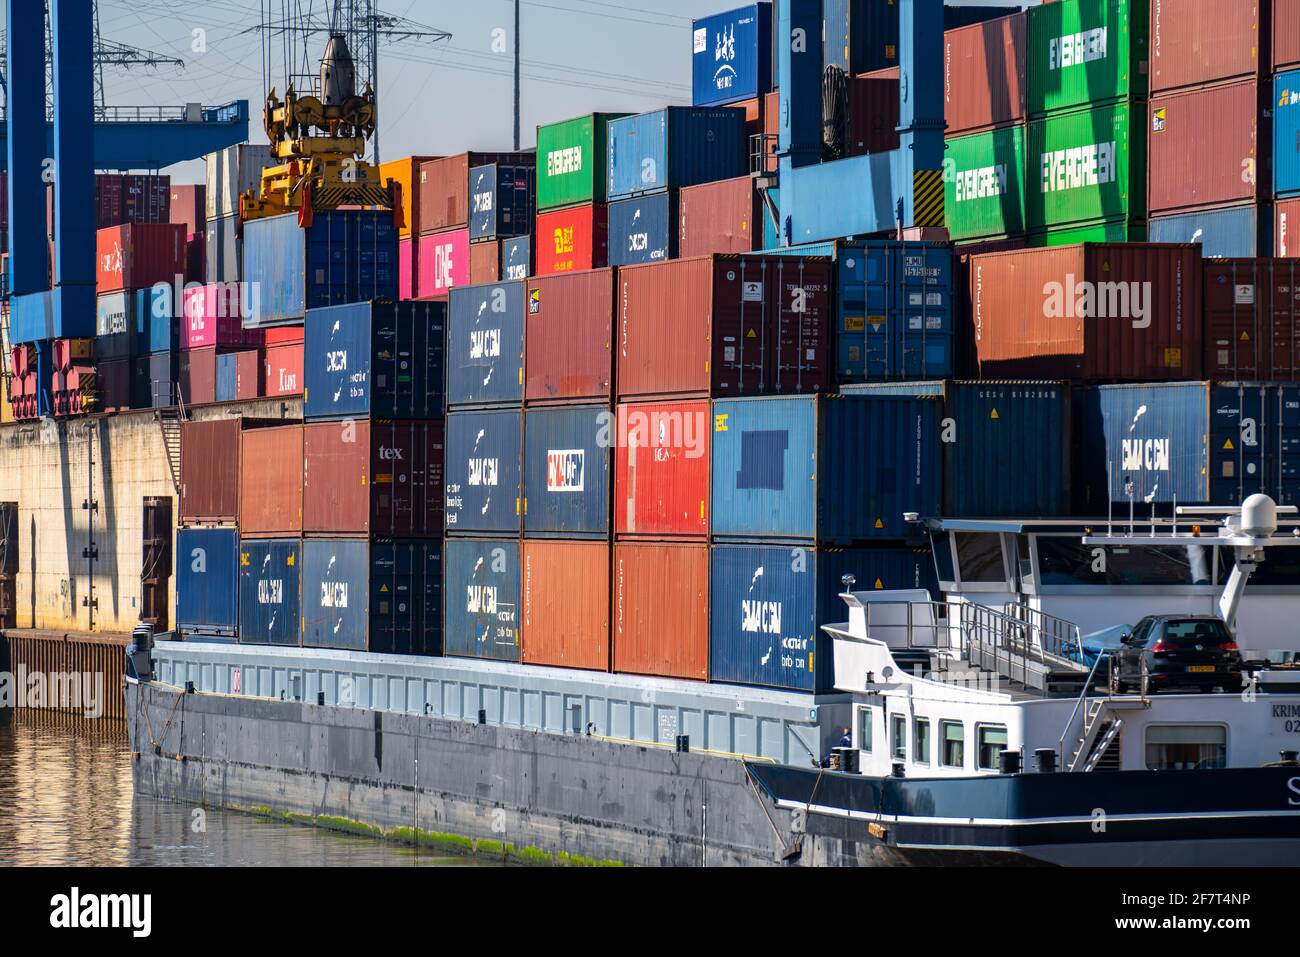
{"x":1196,"y":651}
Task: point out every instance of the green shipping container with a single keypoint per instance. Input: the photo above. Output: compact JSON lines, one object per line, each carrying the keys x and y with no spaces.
{"x":1119,"y":232}
{"x":571,"y":161}
{"x":1086,"y":53}
{"x":984,"y":184}
{"x":1089,"y":166}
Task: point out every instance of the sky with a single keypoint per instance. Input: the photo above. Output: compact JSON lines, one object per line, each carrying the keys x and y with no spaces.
{"x":442,"y":97}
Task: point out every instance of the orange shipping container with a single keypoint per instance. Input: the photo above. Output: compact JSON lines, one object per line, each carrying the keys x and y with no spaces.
{"x":570,"y":320}
{"x":1203,"y":147}
{"x":484,"y":262}
{"x":984,"y":70}
{"x":771,"y":131}
{"x":1103,"y":311}
{"x":565,"y":594}
{"x":270,"y":482}
{"x":1286,"y":35}
{"x":406,"y":173}
{"x":661,"y":610}
{"x":721,"y":217}
{"x":1203,"y":41}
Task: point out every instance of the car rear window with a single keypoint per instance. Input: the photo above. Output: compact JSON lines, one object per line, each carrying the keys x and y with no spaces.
{"x":1194,"y":632}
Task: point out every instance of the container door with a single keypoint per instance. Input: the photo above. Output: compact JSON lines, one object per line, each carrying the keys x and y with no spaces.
{"x":155,"y":563}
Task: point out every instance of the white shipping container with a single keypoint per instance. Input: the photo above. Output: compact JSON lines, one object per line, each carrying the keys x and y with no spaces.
{"x":233,"y":171}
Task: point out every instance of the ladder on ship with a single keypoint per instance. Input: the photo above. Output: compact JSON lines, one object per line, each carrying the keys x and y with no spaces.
{"x":169,"y":419}
{"x":1098,"y":745}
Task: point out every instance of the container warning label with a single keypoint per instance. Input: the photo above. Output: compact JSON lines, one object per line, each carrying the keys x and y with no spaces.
{"x":752,"y":292}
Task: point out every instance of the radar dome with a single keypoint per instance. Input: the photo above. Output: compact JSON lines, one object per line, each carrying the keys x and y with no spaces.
{"x":1259,"y":516}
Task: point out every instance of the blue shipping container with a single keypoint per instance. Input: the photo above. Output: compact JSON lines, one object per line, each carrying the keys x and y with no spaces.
{"x":767,"y":604}
{"x":567,"y":473}
{"x":158,"y":320}
{"x":382,"y":596}
{"x":270,"y":592}
{"x":643,"y":229}
{"x":860,"y":35}
{"x":517,"y":258}
{"x":675,"y":147}
{"x":207,"y":581}
{"x":345,"y":256}
{"x":164,"y":375}
{"x":731,"y":55}
{"x":485,"y":345}
{"x":502,"y":201}
{"x":484,"y":452}
{"x":223,"y":249}
{"x":1286,"y":133}
{"x":227,"y":377}
{"x":481,"y":597}
{"x":824,"y":469}
{"x":380,"y":360}
{"x":894,"y":314}
{"x":1232,"y":233}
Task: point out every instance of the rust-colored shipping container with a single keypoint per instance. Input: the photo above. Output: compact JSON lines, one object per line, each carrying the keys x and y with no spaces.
{"x":210,"y":472}
{"x":1104,"y":311}
{"x":771,"y":132}
{"x":249,"y":373}
{"x":373,"y":477}
{"x":724,"y":326}
{"x":139,"y":255}
{"x":285,"y":335}
{"x":1203,"y":147}
{"x":198,"y":375}
{"x":662,"y":469}
{"x":565,"y":594}
{"x":189,"y":206}
{"x":1286,"y":35}
{"x":872,"y":115}
{"x":484,"y":262}
{"x":661,"y":609}
{"x":984,"y":75}
{"x":1286,"y":231}
{"x":1194,"y":42}
{"x":444,"y":187}
{"x":284,"y":370}
{"x":1252,"y":319}
{"x":721,"y":217}
{"x":567,"y":339}
{"x":270,"y":482}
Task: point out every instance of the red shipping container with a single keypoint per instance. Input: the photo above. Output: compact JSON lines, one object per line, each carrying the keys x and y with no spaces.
{"x":442,"y":263}
{"x":873,"y":116}
{"x":210,"y":472}
{"x":1252,"y":319}
{"x":661,"y":474}
{"x":113,"y":379}
{"x":198,"y":375}
{"x":569,"y":325}
{"x":565,"y":594}
{"x":270,"y":482}
{"x":1286,"y":35}
{"x":985,"y":67}
{"x":1287,"y":228}
{"x":1203,"y":147}
{"x":189,"y":207}
{"x":408,"y":250}
{"x":285,"y":335}
{"x":284,"y":370}
{"x":373,"y":477}
{"x":484,"y":262}
{"x":138,"y":256}
{"x":213,"y":317}
{"x":721,"y":217}
{"x":725,"y":326}
{"x":661,"y":610}
{"x":248,"y":375}
{"x":571,"y":240}
{"x":1105,"y":311}
{"x":1203,"y":41}
{"x":444,"y":187}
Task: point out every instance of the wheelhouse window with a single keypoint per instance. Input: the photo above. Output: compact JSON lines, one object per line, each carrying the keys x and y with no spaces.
{"x":991,"y":740}
{"x":921,"y":740}
{"x":979,"y":558}
{"x":898,"y":734}
{"x":954,"y":744}
{"x":1067,"y":561}
{"x":1187,"y":747}
{"x":865,"y":737}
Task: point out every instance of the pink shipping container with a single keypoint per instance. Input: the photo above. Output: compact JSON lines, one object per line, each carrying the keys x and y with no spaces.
{"x":1287,"y":228}
{"x":1286,"y":35}
{"x":1194,"y":42}
{"x":212,"y":317}
{"x":442,"y":263}
{"x":137,"y":256}
{"x":984,"y":75}
{"x":569,"y":325}
{"x":721,"y":217}
{"x":1203,"y":148}
{"x":284,"y":369}
{"x":1099,"y":311}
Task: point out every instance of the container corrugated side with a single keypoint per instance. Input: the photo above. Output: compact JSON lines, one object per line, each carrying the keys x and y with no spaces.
{"x":767,"y":605}
{"x":567,"y":471}
{"x":1204,"y":148}
{"x":503,"y":200}
{"x":985,"y":81}
{"x":570,"y":322}
{"x":674,"y":147}
{"x":661,"y":473}
{"x":1195,"y":42}
{"x":441,"y":263}
{"x":1286,"y":229}
{"x":665,"y":639}
{"x":445,"y":187}
{"x":137,"y":255}
{"x":270,"y":481}
{"x":270,"y":592}
{"x":483,"y":474}
{"x":516,"y":258}
{"x":209,"y":490}
{"x":984,"y":197}
{"x":207,"y":581}
{"x":1286,"y":132}
{"x":1087,"y":53}
{"x":572,"y":158}
{"x":823,"y":469}
{"x":566,"y":604}
{"x":1286,"y":34}
{"x":572,"y":239}
{"x":1231,"y":233}
{"x":731,"y":55}
{"x":721,"y":217}
{"x":643,"y":229}
{"x":485,"y":345}
{"x":481,"y":598}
